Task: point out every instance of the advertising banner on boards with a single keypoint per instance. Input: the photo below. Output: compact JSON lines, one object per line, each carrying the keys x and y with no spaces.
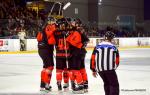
{"x":3,"y":45}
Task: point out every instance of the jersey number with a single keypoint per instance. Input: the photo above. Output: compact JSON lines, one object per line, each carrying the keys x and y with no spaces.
{"x":61,"y":45}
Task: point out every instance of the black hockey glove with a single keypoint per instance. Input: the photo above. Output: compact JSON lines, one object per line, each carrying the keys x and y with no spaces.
{"x":65,"y":33}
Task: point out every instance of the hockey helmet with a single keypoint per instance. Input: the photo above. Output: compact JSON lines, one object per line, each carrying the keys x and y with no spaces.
{"x":78,"y":21}
{"x":69,"y":21}
{"x":109,"y":35}
{"x":51,"y":19}
{"x":62,"y":23}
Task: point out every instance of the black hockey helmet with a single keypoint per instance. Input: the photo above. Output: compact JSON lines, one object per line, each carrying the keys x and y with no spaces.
{"x":51,"y":19}
{"x":78,"y":21}
{"x":61,"y":21}
{"x":109,"y":35}
{"x":68,"y":19}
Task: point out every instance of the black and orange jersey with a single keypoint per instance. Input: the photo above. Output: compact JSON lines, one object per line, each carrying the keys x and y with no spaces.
{"x":62,"y":46}
{"x":75,"y":39}
{"x":47,"y":35}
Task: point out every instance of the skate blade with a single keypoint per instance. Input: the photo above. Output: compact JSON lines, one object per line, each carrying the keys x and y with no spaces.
{"x":44,"y":91}
{"x":66,"y":89}
{"x":85,"y":90}
{"x":78,"y":92}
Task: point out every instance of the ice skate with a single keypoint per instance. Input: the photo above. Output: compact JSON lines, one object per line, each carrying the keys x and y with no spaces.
{"x":78,"y":90}
{"x":73,"y":85}
{"x":86,"y":87}
{"x":43,"y":91}
{"x":66,"y":86}
{"x":59,"y":86}
{"x":48,"y":88}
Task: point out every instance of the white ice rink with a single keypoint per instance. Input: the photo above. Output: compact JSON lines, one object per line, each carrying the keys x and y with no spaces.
{"x":20,"y":73}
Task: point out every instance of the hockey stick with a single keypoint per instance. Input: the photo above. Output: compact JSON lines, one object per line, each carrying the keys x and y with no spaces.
{"x":66,"y":51}
{"x":50,"y":13}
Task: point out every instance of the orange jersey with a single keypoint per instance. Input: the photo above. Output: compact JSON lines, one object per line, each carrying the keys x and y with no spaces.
{"x":61,"y":45}
{"x":75,"y":39}
{"x":49,"y":30}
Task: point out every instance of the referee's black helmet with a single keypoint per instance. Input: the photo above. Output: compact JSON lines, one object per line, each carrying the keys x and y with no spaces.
{"x":109,"y":35}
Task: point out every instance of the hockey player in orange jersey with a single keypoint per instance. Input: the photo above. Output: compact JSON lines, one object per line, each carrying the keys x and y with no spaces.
{"x":46,"y":43}
{"x":62,"y":55}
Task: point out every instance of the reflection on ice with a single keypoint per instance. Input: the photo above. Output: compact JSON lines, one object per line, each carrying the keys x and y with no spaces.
{"x":21,"y":74}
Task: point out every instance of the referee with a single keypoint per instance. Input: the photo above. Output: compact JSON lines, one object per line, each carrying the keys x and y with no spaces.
{"x":104,"y":61}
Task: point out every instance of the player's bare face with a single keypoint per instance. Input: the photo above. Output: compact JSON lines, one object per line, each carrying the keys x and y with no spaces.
{"x":73,"y":23}
{"x":62,"y":27}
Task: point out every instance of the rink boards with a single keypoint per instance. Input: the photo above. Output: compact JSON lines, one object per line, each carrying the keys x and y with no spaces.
{"x":12,"y":45}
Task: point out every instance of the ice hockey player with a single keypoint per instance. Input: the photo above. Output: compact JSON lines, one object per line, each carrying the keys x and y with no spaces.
{"x":85,"y":40}
{"x":104,"y":61}
{"x":75,"y":43}
{"x":46,"y":41}
{"x":76,"y":25}
{"x":62,"y":54}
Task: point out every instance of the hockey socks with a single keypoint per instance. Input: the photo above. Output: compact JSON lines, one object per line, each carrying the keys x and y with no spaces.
{"x":85,"y":79}
{"x":66,"y":76}
{"x":46,"y":75}
{"x":84,"y":74}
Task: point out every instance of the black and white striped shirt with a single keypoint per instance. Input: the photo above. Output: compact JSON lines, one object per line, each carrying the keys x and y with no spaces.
{"x":105,"y":57}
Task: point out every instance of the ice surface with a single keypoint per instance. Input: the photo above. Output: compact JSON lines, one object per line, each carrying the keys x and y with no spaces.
{"x":20,"y":74}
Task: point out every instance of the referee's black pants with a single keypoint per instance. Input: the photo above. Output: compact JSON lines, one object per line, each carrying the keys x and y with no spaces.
{"x":111,"y":84}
